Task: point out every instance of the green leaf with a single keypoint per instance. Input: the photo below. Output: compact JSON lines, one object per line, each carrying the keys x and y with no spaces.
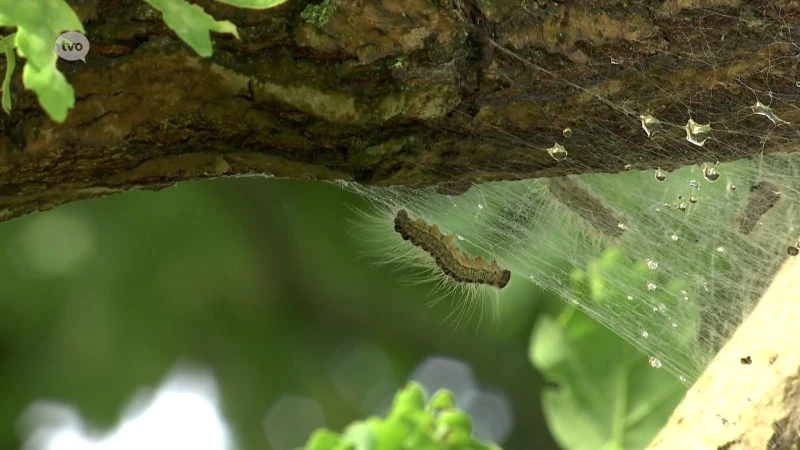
{"x":192,"y":24}
{"x":35,"y":41}
{"x":323,"y":439}
{"x":606,"y":388}
{"x":254,"y":4}
{"x":410,"y":425}
{"x":361,"y":435}
{"x":7,"y":47}
{"x":408,"y":401}
{"x":450,"y":421}
{"x":442,"y":400}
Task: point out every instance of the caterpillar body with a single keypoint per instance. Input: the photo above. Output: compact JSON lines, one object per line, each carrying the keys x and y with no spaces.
{"x":450,"y":259}
{"x":589,"y":208}
{"x":763,"y":196}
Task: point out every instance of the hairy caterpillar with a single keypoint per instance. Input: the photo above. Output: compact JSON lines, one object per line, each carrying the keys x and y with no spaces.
{"x":763,"y":196}
{"x":591,"y":209}
{"x":453,"y":262}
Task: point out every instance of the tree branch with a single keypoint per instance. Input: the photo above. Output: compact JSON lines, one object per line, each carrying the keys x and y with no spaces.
{"x":413,"y":92}
{"x":749,"y":397}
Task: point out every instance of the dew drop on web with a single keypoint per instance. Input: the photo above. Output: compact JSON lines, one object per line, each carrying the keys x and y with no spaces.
{"x":710,"y":173}
{"x":650,"y":125}
{"x":558,"y":152}
{"x":696,"y":133}
{"x":655,"y":362}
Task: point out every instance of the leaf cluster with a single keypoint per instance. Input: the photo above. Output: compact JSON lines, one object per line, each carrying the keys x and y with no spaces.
{"x":410,"y":424}
{"x":39,"y":23}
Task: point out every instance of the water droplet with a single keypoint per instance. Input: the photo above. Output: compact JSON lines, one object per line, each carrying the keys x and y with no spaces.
{"x":630,"y":297}
{"x":652,"y":265}
{"x":622,"y":226}
{"x":558,"y":152}
{"x":460,"y":237}
{"x":732,"y":187}
{"x":764,"y":110}
{"x":645,"y":334}
{"x":710,"y":173}
{"x":661,"y":307}
{"x":682,"y":207}
{"x":660,"y":175}
{"x":674,"y":324}
{"x":797,"y":84}
{"x":697,"y":134}
{"x":655,"y":362}
{"x":693,"y":199}
{"x":567,"y":132}
{"x":627,"y":167}
{"x":651,"y":286}
{"x":650,"y":125}
{"x":682,"y":378}
{"x":695,"y":184}
{"x":674,"y":237}
{"x":720,"y":249}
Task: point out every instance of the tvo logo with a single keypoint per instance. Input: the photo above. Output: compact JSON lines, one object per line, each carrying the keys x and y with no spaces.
{"x":72,"y":46}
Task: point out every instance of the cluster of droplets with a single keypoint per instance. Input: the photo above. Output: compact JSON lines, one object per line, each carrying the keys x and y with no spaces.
{"x":696,"y":133}
{"x":710,"y":173}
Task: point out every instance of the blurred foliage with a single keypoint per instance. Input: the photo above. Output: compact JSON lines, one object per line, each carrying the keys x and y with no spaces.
{"x":7,"y":48}
{"x":35,"y":40}
{"x":606,"y":395}
{"x":256,"y":278}
{"x":192,"y":24}
{"x":409,"y":424}
{"x":36,"y":35}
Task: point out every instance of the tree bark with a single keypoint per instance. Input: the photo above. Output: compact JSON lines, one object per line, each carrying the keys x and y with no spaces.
{"x":403,"y":92}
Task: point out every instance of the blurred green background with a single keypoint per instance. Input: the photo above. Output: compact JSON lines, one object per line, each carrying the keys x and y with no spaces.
{"x":257,"y":278}
{"x":261,"y":281}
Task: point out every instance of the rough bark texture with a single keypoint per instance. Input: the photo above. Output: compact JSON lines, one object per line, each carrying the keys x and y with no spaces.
{"x":749,"y":397}
{"x":411,"y":92}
